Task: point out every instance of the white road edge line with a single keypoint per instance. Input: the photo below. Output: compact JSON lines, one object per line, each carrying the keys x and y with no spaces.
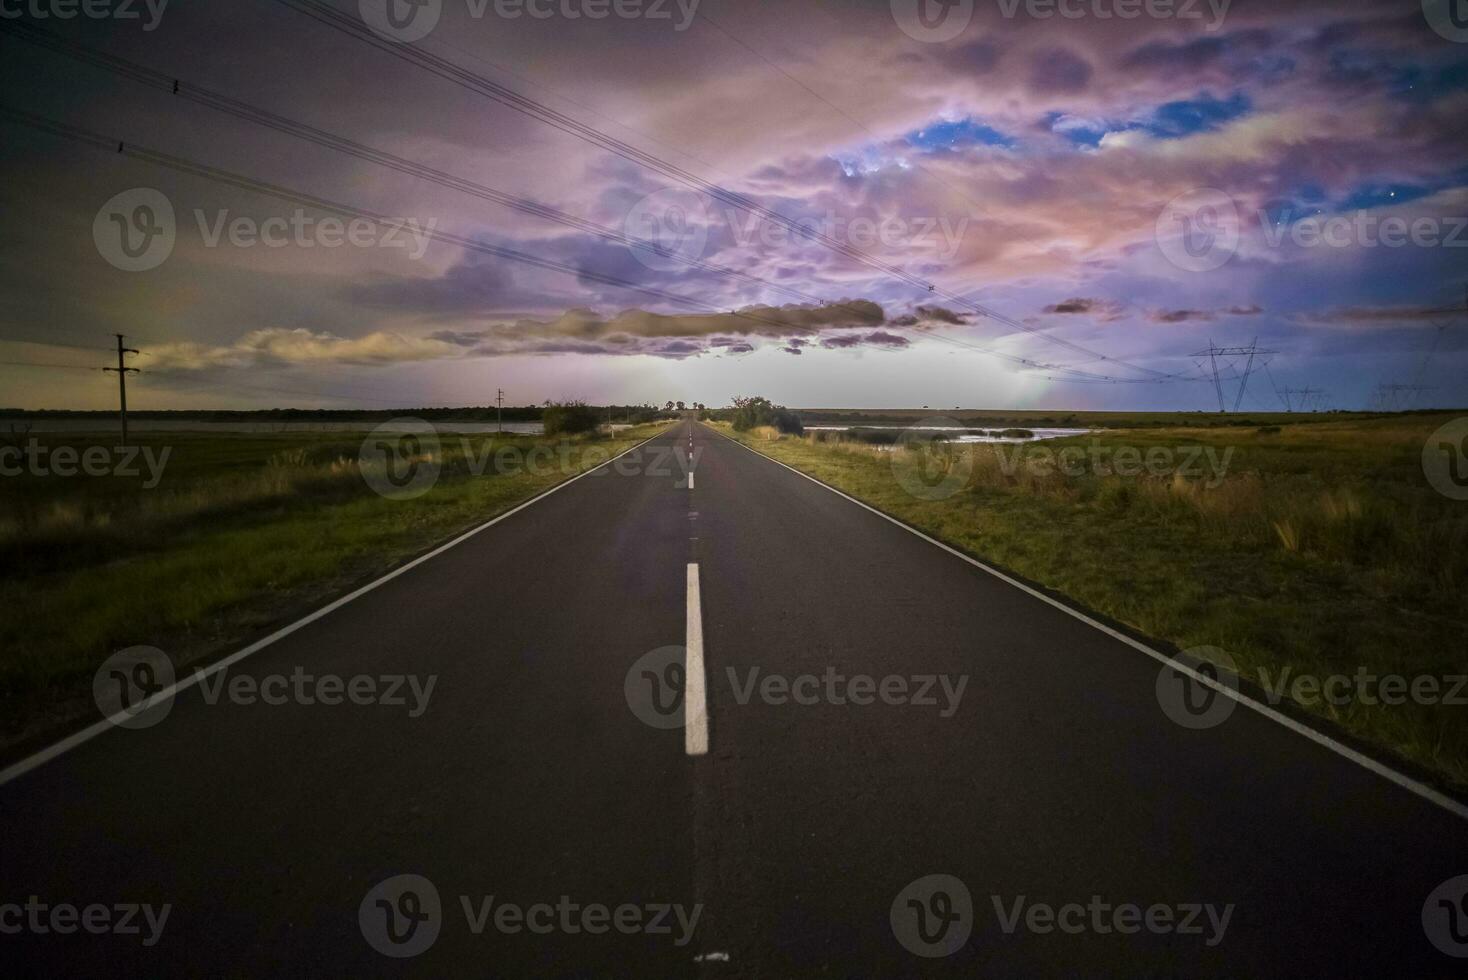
{"x":1320,"y":738}
{"x":695,"y":699}
{"x":60,"y":748}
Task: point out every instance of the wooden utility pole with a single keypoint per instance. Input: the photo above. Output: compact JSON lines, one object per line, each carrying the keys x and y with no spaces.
{"x":122,"y":371}
{"x":499,"y":410}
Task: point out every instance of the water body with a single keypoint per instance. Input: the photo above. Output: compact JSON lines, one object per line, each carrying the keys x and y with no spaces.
{"x":962,"y":433}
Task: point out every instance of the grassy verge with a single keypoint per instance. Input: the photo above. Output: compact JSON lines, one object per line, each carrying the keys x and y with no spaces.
{"x":239,"y":533}
{"x":1059,"y":418}
{"x":1316,"y":548}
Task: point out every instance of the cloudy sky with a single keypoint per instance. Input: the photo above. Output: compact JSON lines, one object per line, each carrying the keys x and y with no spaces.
{"x":897,"y":203}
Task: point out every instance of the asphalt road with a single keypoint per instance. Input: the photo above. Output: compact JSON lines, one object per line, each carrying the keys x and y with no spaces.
{"x":1052,"y":780}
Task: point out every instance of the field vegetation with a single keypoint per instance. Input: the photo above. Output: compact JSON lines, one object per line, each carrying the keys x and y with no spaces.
{"x":1319,"y":547}
{"x":242,"y":532}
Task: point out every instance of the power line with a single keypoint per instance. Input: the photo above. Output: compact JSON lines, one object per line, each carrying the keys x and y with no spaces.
{"x":185,"y":166}
{"x":112,"y":144}
{"x":49,"y":364}
{"x":703,"y":16}
{"x":239,"y":109}
{"x":243,"y":110}
{"x":449,"y":71}
{"x":181,"y":165}
{"x":53,"y":343}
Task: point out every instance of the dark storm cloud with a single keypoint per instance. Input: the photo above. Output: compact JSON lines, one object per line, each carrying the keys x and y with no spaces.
{"x":1059,"y":70}
{"x":1103,"y":309}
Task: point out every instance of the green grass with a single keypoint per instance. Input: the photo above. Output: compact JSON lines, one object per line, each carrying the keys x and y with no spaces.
{"x":242,"y":532}
{"x":1322,"y":549}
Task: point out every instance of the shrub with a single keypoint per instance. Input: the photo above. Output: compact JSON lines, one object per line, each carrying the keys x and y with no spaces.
{"x":569,"y":418}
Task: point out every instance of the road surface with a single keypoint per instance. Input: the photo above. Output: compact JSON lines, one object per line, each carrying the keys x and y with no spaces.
{"x":1053,"y":780}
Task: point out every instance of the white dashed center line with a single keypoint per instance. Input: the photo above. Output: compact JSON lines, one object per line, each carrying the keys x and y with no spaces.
{"x":695,"y":707}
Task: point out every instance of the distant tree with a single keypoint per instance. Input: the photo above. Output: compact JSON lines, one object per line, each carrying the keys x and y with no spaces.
{"x":680,"y":407}
{"x":755,"y":410}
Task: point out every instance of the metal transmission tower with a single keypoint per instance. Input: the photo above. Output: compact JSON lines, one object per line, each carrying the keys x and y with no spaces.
{"x":1213,"y":353}
{"x":1398,"y":397}
{"x":1306,"y":394}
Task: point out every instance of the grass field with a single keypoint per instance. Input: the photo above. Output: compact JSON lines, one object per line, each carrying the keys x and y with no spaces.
{"x":1316,"y":547}
{"x":239,"y":533}
{"x":1065,"y":419}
